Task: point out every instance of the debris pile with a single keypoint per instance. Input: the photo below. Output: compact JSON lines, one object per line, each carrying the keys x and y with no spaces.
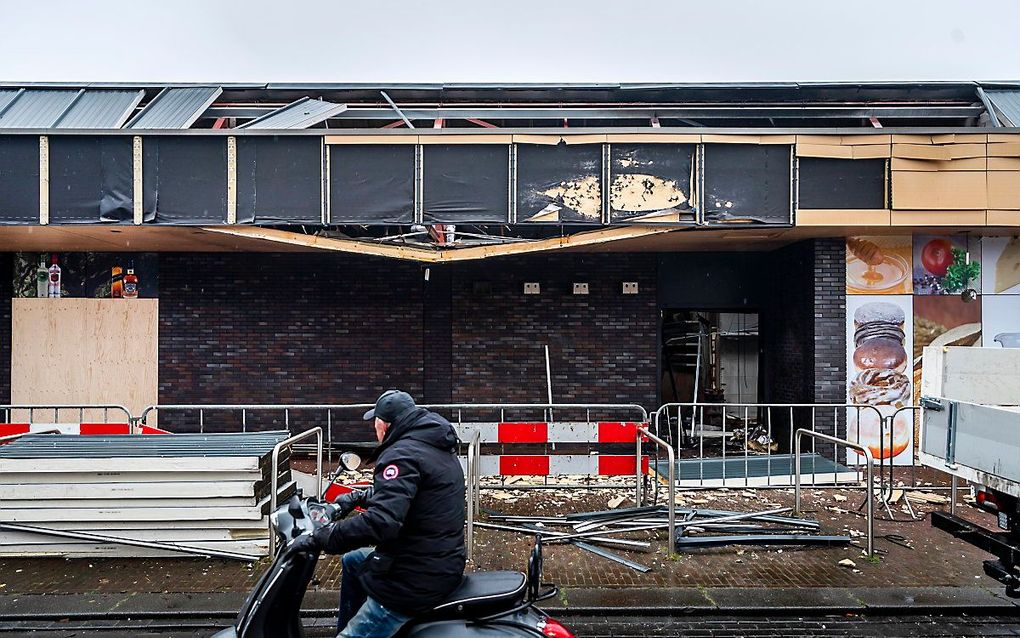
{"x":696,"y":529}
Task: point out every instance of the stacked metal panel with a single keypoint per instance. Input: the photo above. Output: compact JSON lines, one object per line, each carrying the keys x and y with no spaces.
{"x":210,"y":491}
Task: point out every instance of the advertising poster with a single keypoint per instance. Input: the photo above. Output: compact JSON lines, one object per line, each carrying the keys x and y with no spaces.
{"x":878,"y":265}
{"x":1001,"y":319}
{"x":879,"y":374}
{"x":945,"y":265}
{"x":942,"y":320}
{"x":1001,"y":259}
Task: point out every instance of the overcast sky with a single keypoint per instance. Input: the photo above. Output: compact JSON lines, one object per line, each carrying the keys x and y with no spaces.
{"x":517,"y":41}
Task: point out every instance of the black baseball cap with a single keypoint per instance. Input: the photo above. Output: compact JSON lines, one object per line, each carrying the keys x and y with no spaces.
{"x":390,"y":405}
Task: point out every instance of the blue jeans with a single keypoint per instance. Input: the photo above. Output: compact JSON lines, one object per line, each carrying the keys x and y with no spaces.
{"x":360,"y":616}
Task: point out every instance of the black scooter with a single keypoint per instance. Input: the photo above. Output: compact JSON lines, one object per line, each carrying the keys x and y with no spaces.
{"x":486,"y":605}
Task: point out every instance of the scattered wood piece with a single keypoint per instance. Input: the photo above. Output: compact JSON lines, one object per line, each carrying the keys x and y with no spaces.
{"x":846,"y":562}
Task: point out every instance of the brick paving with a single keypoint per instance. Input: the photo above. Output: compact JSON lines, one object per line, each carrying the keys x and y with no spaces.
{"x":934,"y":559}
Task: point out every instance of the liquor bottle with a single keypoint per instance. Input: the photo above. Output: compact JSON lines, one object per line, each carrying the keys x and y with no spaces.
{"x":117,"y":282}
{"x":130,"y":284}
{"x":53,"y":289}
{"x":42,"y":279}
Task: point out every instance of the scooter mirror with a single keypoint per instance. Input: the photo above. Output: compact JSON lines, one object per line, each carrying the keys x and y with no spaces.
{"x":349,"y":461}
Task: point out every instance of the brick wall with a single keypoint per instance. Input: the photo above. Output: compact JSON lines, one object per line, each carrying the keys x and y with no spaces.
{"x":288,"y":328}
{"x":804,"y":334}
{"x":257,"y":328}
{"x":6,"y":283}
{"x":603,"y":345}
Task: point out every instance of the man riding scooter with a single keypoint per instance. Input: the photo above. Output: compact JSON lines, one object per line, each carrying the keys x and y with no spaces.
{"x":414,"y":518}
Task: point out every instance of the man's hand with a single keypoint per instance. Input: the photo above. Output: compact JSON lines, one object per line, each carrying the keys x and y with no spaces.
{"x":306,"y":543}
{"x":347,"y":503}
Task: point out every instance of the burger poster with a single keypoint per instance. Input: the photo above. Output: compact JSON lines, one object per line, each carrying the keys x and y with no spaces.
{"x":879,"y":369}
{"x":878,"y":265}
{"x":944,"y":265}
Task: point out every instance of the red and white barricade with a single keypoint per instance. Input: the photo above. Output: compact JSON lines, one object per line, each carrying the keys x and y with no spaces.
{"x":86,"y":429}
{"x":540,"y":432}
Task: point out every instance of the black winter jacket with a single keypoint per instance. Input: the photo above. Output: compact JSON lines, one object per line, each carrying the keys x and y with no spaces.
{"x":414,"y":518}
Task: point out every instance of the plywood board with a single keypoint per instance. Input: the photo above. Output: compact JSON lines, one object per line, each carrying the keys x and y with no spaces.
{"x":1003,"y":218}
{"x":556,"y":139}
{"x":85,"y":351}
{"x":957,"y":190}
{"x":1004,"y":163}
{"x":938,"y":217}
{"x":971,"y":164}
{"x":458,"y":138}
{"x":652,"y":138}
{"x":1005,"y":149}
{"x":820,"y":217}
{"x":1004,"y":190}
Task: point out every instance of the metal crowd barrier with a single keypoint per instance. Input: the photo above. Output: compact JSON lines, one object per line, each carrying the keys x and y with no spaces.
{"x":691,"y":424}
{"x":66,"y":417}
{"x":275,"y":469}
{"x":869,"y":470}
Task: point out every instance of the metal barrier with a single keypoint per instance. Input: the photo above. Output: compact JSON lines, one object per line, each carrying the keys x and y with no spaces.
{"x":708,"y":429}
{"x":84,"y":418}
{"x":671,"y":488}
{"x":869,"y":465}
{"x":274,"y":468}
{"x":472,"y":490}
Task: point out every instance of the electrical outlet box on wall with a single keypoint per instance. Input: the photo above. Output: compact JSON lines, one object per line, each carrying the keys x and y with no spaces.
{"x":580,"y":288}
{"x":532,"y":288}
{"x":630,"y":288}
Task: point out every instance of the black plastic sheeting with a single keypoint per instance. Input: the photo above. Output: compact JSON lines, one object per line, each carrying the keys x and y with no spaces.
{"x":567,"y":177}
{"x":371,"y":184}
{"x":185,"y":180}
{"x":19,"y":179}
{"x":748,"y":182}
{"x":279,"y":180}
{"x":651,"y":182}
{"x":466,"y":183}
{"x":91,"y":180}
{"x":841,"y":183}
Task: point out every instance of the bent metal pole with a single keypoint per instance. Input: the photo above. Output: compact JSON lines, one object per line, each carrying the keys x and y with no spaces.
{"x":102,"y":538}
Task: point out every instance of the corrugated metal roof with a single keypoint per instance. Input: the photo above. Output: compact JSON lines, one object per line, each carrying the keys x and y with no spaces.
{"x":100,"y":109}
{"x":45,"y":446}
{"x":37,"y":108}
{"x":175,"y":108}
{"x":1007,"y":103}
{"x":7,"y":96}
{"x":299,"y":114}
{"x":67,"y":108}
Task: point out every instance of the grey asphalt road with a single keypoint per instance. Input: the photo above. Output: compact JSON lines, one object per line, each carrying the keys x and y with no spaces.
{"x":834,"y":626}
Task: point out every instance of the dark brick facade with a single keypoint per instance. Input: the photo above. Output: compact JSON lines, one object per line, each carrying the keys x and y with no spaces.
{"x":603,"y":346}
{"x":258,"y":328}
{"x":6,"y":285}
{"x":829,"y":321}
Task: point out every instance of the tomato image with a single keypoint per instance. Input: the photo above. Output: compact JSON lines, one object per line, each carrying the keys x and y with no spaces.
{"x":937,"y":256}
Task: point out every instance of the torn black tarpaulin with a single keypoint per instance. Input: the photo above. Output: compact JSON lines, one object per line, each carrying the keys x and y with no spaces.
{"x":185,"y":180}
{"x":748,"y":182}
{"x":371,"y":184}
{"x":279,"y":180}
{"x":827,"y":183}
{"x":91,"y":179}
{"x":651,"y":182}
{"x":466,"y":183}
{"x":19,"y":179}
{"x":559,"y":183}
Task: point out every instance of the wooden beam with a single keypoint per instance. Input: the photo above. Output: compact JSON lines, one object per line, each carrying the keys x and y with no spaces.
{"x":590,"y":238}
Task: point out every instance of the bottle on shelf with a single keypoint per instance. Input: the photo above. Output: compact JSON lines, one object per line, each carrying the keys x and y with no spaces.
{"x":42,"y":279}
{"x":131,"y":284}
{"x":53,"y":289}
{"x":116,"y":282}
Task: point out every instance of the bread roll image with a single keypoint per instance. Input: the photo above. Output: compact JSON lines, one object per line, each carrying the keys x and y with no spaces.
{"x":881,"y":354}
{"x":879,"y":311}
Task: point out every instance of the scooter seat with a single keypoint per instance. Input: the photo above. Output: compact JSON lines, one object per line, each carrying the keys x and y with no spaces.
{"x":484,"y":593}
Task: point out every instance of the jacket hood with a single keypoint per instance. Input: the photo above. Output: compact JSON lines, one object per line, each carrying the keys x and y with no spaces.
{"x":421,"y":425}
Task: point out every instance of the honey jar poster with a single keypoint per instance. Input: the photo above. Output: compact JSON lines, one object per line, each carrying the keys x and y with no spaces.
{"x":86,"y":274}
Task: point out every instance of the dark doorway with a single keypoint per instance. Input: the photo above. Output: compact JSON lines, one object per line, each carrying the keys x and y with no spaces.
{"x":709,"y":357}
